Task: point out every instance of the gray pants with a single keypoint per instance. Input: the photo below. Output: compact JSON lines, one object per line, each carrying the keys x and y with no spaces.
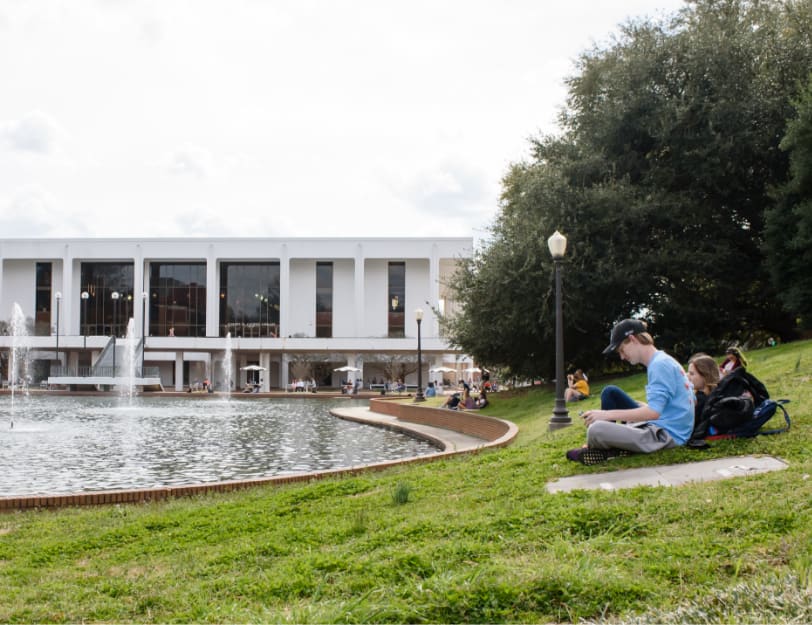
{"x":639,"y":438}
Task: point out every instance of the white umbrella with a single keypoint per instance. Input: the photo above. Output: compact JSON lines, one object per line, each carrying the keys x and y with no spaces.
{"x":442,"y":370}
{"x":252,"y":368}
{"x":473,"y":370}
{"x":348,"y":368}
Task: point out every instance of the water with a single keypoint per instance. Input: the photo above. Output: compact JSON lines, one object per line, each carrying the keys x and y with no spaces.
{"x":128,"y":390}
{"x":70,"y":444}
{"x":19,"y":361}
{"x":227,"y":365}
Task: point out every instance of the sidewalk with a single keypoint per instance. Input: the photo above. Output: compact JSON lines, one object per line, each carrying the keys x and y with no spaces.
{"x":670,"y":474}
{"x":448,"y":440}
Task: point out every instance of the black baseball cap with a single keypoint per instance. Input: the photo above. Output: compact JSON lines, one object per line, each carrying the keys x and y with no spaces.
{"x":621,"y":331}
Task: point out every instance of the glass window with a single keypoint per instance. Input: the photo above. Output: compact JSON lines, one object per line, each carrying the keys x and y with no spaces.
{"x":324,"y":300}
{"x":101,"y":315}
{"x":42,"y":319}
{"x":396,"y":301}
{"x":177,"y":299}
{"x":249,"y":299}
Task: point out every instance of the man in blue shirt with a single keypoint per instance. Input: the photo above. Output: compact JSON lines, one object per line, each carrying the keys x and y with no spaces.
{"x":665,"y":420}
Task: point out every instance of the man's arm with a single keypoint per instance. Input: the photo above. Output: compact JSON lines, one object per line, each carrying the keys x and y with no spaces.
{"x":632,"y":415}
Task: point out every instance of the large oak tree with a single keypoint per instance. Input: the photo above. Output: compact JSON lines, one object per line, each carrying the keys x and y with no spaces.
{"x":660,"y":178}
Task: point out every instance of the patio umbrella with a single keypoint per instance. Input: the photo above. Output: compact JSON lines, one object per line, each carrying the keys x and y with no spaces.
{"x":252,"y":368}
{"x":348,"y":368}
{"x":442,"y":370}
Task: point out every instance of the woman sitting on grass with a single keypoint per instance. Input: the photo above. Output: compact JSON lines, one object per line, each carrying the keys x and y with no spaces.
{"x":704,"y":375}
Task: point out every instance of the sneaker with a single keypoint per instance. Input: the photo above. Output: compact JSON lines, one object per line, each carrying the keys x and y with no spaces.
{"x":589,"y":456}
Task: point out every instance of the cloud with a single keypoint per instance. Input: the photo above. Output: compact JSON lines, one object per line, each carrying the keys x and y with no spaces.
{"x":189,"y":160}
{"x":35,"y":132}
{"x":452,"y":187}
{"x":30,"y":212}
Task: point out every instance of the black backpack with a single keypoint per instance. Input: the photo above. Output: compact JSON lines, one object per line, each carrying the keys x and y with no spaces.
{"x":738,"y":407}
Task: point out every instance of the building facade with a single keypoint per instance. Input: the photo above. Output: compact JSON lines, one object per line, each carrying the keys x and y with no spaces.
{"x":243,"y":309}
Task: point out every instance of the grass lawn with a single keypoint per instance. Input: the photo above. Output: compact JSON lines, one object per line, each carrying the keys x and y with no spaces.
{"x":470,"y":539}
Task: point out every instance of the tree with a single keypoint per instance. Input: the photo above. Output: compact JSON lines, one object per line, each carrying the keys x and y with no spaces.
{"x":660,"y":179}
{"x":789,"y":222}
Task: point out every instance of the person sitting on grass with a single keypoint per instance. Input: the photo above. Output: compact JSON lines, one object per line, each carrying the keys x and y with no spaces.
{"x":577,"y":386}
{"x":453,"y":402}
{"x":666,"y":419}
{"x":704,"y":375}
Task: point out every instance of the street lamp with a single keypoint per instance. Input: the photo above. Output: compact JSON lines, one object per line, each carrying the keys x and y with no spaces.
{"x":58,"y":296}
{"x":85,"y":297}
{"x":115,"y":295}
{"x":557,"y":244}
{"x":144,"y":298}
{"x":418,"y":396}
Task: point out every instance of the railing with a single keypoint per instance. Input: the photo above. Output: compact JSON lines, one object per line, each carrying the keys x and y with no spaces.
{"x":103,"y":372}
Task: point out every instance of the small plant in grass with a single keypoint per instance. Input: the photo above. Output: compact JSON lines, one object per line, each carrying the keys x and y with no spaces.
{"x":400,"y":494}
{"x":359,"y":522}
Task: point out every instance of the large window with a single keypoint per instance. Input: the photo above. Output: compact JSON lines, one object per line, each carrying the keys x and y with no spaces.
{"x":249,"y":299}
{"x":42,"y":320}
{"x":177,"y":299}
{"x":101,"y":313}
{"x":324,"y":300}
{"x":396,"y":301}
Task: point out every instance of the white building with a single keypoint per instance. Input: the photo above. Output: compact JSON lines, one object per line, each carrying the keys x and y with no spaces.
{"x":289,"y":307}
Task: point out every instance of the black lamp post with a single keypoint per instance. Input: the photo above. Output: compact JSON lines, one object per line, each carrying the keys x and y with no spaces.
{"x":85,"y":297}
{"x":58,"y":297}
{"x":115,"y":295}
{"x":144,"y":298}
{"x":557,"y":244}
{"x":418,"y":396}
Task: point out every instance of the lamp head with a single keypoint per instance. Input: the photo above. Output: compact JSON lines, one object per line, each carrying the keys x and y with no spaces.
{"x":557,"y":244}
{"x":418,"y":314}
{"x":85,"y":295}
{"x":58,"y":295}
{"x":115,"y":295}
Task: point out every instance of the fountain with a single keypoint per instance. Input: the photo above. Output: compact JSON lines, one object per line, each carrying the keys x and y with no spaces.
{"x":79,"y":443}
{"x":18,"y":361}
{"x":130,"y":361}
{"x":227,"y":366}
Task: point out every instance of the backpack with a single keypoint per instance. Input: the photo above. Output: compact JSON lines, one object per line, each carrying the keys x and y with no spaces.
{"x":738,"y":407}
{"x":762,"y":413}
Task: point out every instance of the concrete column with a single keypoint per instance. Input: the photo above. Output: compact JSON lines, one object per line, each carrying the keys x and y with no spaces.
{"x":284,"y":371}
{"x":178,"y":371}
{"x":265,"y":361}
{"x":212,"y":295}
{"x":139,"y":287}
{"x":434,"y":291}
{"x":360,"y":329}
{"x":284,"y":293}
{"x":66,"y":306}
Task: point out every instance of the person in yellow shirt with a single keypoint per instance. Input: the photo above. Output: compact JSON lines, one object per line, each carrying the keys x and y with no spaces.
{"x":578,"y":387}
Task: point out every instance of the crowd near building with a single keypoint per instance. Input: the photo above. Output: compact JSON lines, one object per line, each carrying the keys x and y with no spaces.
{"x":255,"y":311}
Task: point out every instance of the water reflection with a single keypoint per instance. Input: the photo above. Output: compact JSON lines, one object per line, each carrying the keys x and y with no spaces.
{"x":74,"y":444}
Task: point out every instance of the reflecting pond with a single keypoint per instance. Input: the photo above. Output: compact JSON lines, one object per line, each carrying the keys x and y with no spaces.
{"x":71,"y":444}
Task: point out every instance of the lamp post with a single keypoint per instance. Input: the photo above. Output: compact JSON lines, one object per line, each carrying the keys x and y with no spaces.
{"x":144,"y":298}
{"x":418,"y":396}
{"x":85,"y":297}
{"x":58,"y":297}
{"x":115,"y":295}
{"x":557,"y":245}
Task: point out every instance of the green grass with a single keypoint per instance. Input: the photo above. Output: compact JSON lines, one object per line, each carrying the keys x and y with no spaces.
{"x":475,"y":539}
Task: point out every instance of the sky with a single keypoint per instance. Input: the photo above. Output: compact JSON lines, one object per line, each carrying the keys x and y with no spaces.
{"x":279,"y":118}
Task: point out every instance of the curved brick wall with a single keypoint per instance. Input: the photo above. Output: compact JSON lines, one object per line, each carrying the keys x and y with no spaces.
{"x":468,"y":422}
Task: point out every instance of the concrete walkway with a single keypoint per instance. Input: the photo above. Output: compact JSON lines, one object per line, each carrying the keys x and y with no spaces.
{"x":448,"y":440}
{"x":670,"y":474}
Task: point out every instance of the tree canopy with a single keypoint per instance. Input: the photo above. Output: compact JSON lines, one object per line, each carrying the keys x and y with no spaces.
{"x":662,"y":176}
